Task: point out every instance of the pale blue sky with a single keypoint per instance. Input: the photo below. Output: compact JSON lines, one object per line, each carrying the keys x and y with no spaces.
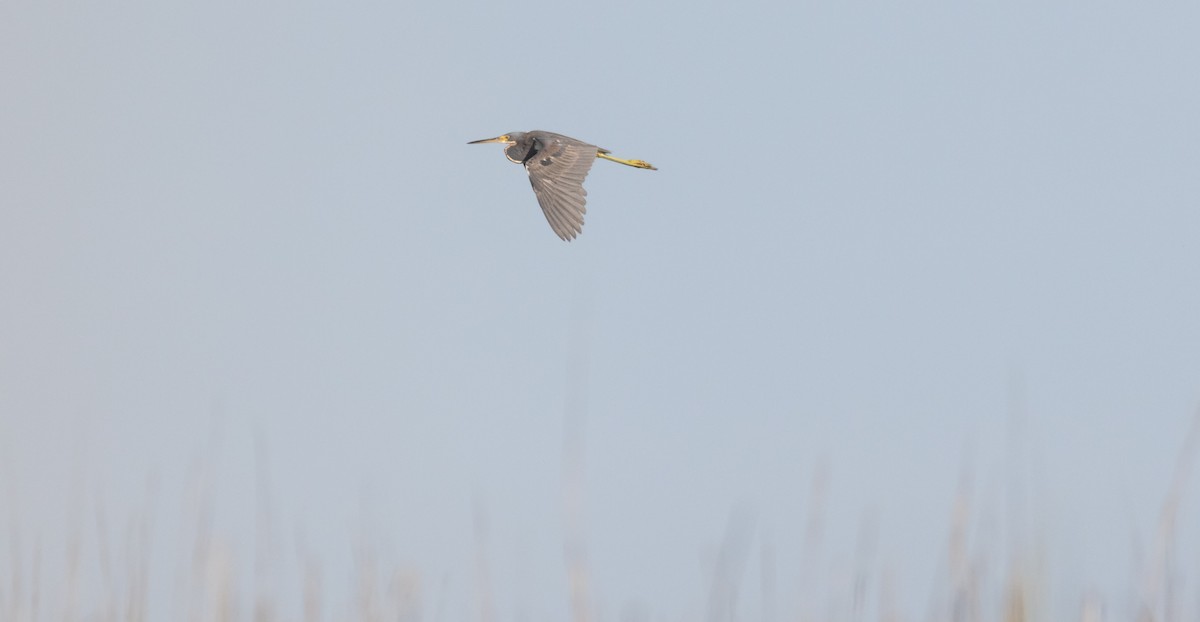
{"x":878,"y":235}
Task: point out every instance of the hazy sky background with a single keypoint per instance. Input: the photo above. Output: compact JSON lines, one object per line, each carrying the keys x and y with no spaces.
{"x":889,"y":248}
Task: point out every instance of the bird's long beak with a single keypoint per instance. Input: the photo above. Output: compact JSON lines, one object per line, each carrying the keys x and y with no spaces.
{"x":498,"y":139}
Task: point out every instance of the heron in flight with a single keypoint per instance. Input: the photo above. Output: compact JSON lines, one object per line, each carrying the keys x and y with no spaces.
{"x":557,"y":166}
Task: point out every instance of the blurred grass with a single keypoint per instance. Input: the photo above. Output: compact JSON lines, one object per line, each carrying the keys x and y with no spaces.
{"x":979,"y":584}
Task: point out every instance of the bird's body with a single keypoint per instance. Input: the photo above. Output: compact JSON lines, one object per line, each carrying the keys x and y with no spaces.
{"x":557,"y":166}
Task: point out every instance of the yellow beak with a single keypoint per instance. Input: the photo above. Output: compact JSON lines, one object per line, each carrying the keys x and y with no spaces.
{"x":498,"y":139}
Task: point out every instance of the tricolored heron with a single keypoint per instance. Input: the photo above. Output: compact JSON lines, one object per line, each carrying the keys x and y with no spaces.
{"x":557,"y":166}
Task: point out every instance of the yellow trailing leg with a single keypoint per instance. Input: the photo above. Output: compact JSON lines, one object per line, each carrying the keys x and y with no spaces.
{"x":633,"y":163}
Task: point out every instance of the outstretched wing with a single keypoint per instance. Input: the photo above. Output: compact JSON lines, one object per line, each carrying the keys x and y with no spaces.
{"x":557,"y":167}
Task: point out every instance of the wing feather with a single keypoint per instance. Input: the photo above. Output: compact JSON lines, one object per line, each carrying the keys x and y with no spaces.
{"x":557,"y":171}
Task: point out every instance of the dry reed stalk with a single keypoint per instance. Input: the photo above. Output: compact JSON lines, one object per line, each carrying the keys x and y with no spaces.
{"x":1154,"y":594}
